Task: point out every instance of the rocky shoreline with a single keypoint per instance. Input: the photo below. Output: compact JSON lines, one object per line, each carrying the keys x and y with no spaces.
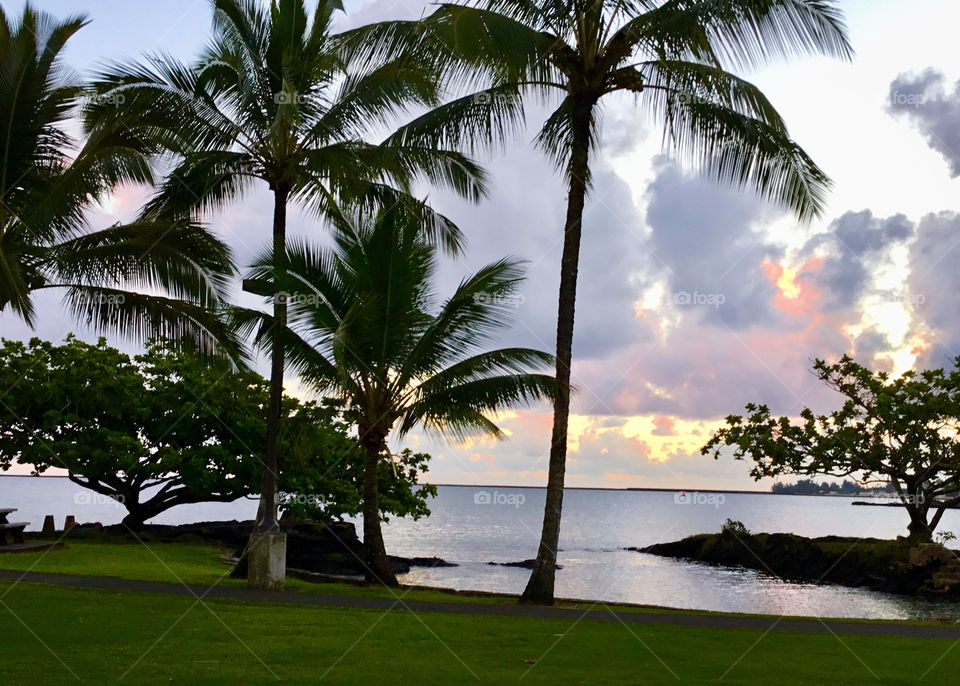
{"x":898,"y":566}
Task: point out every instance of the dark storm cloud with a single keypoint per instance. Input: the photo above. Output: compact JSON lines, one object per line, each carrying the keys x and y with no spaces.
{"x":703,"y":238}
{"x":924,"y":99}
{"x":852,"y":249}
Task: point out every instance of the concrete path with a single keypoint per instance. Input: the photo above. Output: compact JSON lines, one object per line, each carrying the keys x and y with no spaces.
{"x":599,"y":612}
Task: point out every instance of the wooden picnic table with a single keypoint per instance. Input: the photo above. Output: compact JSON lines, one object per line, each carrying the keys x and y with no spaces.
{"x":4,"y":512}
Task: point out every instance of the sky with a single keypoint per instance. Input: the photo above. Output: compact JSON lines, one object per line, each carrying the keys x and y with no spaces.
{"x":694,"y":299}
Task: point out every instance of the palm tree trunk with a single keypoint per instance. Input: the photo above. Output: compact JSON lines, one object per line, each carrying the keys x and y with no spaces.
{"x":541,"y":584}
{"x":268,"y":492}
{"x":377,"y":563}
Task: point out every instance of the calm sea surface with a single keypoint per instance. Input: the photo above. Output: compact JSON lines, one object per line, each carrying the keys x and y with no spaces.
{"x":473,"y":526}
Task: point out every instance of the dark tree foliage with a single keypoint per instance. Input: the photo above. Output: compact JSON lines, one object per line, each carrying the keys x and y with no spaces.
{"x":167,"y":428}
{"x":902,"y":431}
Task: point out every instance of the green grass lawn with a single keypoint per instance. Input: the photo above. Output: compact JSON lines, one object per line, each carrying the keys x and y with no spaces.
{"x":192,"y":563}
{"x":103,"y":636}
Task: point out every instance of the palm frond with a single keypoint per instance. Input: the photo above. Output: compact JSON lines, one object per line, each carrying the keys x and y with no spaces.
{"x":202,"y":182}
{"x":178,"y":257}
{"x":748,"y":153}
{"x":555,"y":138}
{"x":480,"y":306}
{"x":147,"y":316}
{"x":481,"y":119}
{"x":374,"y":97}
{"x":454,"y":410}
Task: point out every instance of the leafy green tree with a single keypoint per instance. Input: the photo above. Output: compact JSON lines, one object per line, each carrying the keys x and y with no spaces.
{"x":149,"y":278}
{"x":273,"y":101}
{"x":168,"y":428}
{"x":904,"y":431}
{"x":364,"y":328}
{"x":675,"y":57}
{"x":321,"y":476}
{"x":328,"y":489}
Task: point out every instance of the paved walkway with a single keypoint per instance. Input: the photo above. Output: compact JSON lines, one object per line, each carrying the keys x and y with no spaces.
{"x":599,"y":612}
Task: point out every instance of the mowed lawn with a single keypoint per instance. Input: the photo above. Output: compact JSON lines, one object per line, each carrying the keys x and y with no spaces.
{"x":54,"y":634}
{"x":62,"y":635}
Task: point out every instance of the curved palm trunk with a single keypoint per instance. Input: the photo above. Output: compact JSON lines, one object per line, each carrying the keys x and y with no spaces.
{"x":268,"y":491}
{"x":374,"y":551}
{"x":541,"y":584}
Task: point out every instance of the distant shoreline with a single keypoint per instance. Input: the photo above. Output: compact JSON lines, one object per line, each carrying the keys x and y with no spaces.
{"x":566,"y":488}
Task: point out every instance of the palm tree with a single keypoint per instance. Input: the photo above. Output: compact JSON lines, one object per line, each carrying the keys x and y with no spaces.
{"x":675,"y":57}
{"x":364,"y":327}
{"x":272,"y":100}
{"x":48,"y":184}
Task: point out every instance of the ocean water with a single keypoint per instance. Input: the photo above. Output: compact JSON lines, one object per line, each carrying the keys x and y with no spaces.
{"x":473,"y":526}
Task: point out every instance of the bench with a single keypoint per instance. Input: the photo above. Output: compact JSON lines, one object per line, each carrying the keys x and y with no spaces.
{"x":4,"y":512}
{"x":15,"y":529}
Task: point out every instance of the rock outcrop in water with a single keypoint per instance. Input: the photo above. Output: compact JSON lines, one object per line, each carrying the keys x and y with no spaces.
{"x":893,"y":566}
{"x":523,"y":564}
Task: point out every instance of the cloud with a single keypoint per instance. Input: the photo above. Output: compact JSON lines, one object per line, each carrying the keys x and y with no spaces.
{"x":853,"y":248}
{"x":704,"y":239}
{"x":934,"y":288}
{"x":924,"y":99}
{"x":663,"y":425}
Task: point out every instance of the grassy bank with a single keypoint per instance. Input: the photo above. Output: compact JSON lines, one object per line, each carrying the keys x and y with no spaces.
{"x":54,"y":634}
{"x":102,"y":636}
{"x":191,"y":563}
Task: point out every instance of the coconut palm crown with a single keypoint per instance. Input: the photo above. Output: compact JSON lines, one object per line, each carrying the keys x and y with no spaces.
{"x":146,"y":279}
{"x":367,"y":326}
{"x":273,"y":101}
{"x":675,"y":57}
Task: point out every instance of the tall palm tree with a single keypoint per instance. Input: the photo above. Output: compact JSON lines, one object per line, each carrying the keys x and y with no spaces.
{"x":148,"y":279}
{"x":365,"y":327}
{"x":272,"y":100}
{"x":675,"y":57}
